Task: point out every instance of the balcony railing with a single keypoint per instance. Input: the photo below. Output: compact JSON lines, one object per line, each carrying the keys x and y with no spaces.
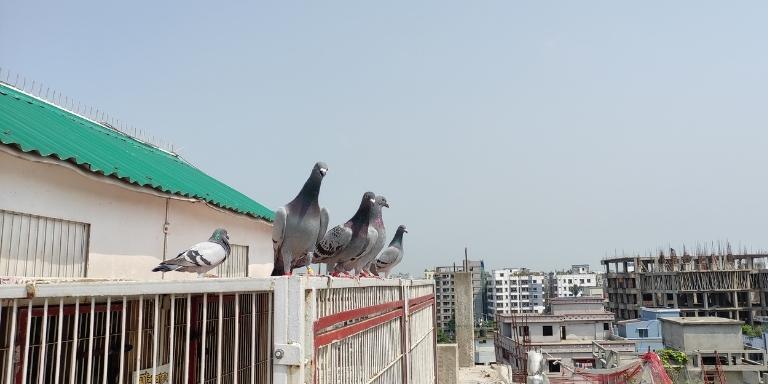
{"x":244,"y":330}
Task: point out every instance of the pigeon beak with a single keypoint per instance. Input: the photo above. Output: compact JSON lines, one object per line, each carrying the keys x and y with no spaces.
{"x":386,"y":205}
{"x":323,"y":171}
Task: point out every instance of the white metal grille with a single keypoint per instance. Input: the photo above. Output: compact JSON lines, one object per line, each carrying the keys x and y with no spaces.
{"x":65,"y":339}
{"x":372,"y":356}
{"x":371,"y":340}
{"x":422,"y":349}
{"x":218,"y":331}
{"x":37,"y":246}
{"x":236,"y":265}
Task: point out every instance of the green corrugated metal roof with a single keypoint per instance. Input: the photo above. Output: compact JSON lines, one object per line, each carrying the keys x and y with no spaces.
{"x":38,"y":127}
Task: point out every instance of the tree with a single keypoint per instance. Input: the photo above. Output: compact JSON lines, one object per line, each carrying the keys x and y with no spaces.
{"x":575,"y":290}
{"x":442,"y":338}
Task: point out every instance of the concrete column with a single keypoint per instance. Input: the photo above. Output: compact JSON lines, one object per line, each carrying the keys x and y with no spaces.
{"x":705,"y":297}
{"x":674,"y":300}
{"x":465,"y":325}
{"x":447,"y":363}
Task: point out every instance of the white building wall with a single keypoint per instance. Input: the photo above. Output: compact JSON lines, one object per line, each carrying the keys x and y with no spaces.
{"x":126,"y":223}
{"x":567,"y":280}
{"x":514,"y":291}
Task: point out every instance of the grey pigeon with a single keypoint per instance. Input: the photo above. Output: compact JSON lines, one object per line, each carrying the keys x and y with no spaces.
{"x":349,"y":240}
{"x":299,"y":226}
{"x":201,"y":257}
{"x":392,"y":254}
{"x":363,"y":264}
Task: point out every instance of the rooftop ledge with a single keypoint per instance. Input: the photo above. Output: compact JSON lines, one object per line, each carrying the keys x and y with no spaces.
{"x":26,"y":288}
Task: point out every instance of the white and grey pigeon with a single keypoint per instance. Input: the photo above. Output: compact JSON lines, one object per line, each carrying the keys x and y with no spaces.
{"x":391,"y":255}
{"x":349,"y":240}
{"x":299,"y":226}
{"x":362,"y":265}
{"x":201,"y":257}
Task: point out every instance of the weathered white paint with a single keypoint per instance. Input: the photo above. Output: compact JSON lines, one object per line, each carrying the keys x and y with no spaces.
{"x":126,"y":222}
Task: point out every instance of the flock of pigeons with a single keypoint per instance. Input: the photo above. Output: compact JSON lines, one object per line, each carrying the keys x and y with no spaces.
{"x":299,"y":238}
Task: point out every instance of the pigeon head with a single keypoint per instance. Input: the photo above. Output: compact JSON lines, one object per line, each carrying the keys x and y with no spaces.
{"x":320,"y":168}
{"x":369,"y":198}
{"x":381,"y":201}
{"x":401,"y":228}
{"x":365,"y":210}
{"x":220,"y":235}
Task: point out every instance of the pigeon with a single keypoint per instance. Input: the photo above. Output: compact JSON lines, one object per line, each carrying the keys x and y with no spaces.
{"x":349,"y":240}
{"x":391,"y":255}
{"x":299,"y":226}
{"x":363,"y":264}
{"x":201,"y":257}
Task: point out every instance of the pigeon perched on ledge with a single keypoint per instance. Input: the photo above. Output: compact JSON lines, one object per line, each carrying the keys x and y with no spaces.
{"x":349,"y":240}
{"x":299,"y":226}
{"x":363,"y":265}
{"x":201,"y":257}
{"x":391,"y":255}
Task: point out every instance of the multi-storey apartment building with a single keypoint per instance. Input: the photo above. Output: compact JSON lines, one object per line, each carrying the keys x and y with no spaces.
{"x":578,"y":276}
{"x":445,"y":291}
{"x":515,"y":290}
{"x":705,"y":283}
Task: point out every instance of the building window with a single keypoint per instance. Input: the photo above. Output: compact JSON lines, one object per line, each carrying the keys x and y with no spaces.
{"x":38,"y":246}
{"x":581,"y":281}
{"x":570,"y":281}
{"x":546,"y":330}
{"x":589,"y":280}
{"x":642,"y":332}
{"x":236,"y":264}
{"x":606,"y":327}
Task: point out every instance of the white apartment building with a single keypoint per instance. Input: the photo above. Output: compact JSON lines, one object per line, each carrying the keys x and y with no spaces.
{"x":579,"y":275}
{"x":445,"y":295}
{"x":515,"y":290}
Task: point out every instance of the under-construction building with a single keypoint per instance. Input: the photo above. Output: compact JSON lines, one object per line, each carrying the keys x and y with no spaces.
{"x":700,"y":283}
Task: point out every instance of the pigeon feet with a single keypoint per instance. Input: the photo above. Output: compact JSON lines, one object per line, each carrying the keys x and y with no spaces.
{"x":209,"y":275}
{"x":310,"y":271}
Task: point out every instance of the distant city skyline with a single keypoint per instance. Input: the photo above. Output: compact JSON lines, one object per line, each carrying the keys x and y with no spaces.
{"x":537,"y":134}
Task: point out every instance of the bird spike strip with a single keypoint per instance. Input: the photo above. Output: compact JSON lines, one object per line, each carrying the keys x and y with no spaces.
{"x":649,"y":367}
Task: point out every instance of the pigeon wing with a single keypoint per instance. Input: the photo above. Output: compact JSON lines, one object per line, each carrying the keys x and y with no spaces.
{"x":333,"y":241}
{"x":199,"y":255}
{"x":278,"y":235}
{"x":278,"y":229}
{"x":372,"y":235}
{"x":387,"y":257}
{"x":209,"y":254}
{"x":323,"y":224}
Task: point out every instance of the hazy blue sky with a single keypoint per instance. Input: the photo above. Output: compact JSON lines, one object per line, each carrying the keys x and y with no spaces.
{"x":539,"y":134}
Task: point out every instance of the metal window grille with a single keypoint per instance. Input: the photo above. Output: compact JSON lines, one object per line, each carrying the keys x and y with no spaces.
{"x":236,"y":265}
{"x":37,"y":246}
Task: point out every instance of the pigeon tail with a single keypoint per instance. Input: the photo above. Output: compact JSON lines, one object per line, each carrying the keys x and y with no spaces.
{"x":166,"y":268}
